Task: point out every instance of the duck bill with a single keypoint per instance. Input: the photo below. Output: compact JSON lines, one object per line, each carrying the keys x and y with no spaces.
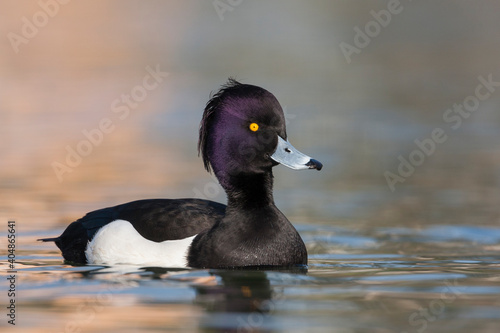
{"x":289,"y":156}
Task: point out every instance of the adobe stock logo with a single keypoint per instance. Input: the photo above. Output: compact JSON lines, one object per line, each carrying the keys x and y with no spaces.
{"x":222,"y":7}
{"x":428,"y":146}
{"x":373,"y":28}
{"x":30,"y":28}
{"x":120,"y":110}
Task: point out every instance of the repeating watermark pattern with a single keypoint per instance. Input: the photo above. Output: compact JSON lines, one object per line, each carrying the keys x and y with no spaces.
{"x":223,"y":6}
{"x":120,"y":108}
{"x":31,"y":28}
{"x":454,"y":117}
{"x":421,"y":318}
{"x":373,"y":28}
{"x":11,"y":258}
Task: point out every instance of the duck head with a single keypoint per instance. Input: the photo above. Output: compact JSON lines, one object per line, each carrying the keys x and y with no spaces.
{"x":243,"y":132}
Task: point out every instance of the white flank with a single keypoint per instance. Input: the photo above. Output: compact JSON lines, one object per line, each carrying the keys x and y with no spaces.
{"x":119,"y":243}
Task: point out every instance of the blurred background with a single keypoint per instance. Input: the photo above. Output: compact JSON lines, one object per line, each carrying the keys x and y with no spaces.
{"x":85,"y":124}
{"x":355,"y":111}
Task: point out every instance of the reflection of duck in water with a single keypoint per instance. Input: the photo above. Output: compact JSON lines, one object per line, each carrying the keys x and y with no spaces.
{"x":238,"y":291}
{"x":235,"y":300}
{"x":242,"y":136}
{"x":242,"y":301}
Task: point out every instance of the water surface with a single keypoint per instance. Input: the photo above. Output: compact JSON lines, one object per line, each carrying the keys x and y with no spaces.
{"x":357,"y":281}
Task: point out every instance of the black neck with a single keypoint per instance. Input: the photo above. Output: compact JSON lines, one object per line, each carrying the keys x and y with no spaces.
{"x":250,"y":191}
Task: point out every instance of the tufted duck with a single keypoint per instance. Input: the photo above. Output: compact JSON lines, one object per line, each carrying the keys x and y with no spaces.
{"x":242,"y":136}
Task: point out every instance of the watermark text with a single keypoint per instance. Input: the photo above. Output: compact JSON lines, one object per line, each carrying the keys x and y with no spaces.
{"x":11,"y":258}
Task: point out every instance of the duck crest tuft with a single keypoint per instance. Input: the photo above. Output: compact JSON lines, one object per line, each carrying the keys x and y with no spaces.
{"x":215,"y":103}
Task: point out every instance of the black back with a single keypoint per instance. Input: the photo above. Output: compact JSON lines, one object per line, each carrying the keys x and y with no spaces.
{"x":155,"y":219}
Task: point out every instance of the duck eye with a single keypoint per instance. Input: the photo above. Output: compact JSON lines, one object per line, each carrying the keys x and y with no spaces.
{"x":254,"y":127}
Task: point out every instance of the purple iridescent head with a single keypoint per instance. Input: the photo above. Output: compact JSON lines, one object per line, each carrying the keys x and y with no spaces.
{"x":243,"y":132}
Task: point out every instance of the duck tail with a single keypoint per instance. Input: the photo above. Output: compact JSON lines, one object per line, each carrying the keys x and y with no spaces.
{"x":48,"y":239}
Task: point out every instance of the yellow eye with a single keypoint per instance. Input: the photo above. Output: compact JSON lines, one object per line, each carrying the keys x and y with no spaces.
{"x":254,"y":127}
